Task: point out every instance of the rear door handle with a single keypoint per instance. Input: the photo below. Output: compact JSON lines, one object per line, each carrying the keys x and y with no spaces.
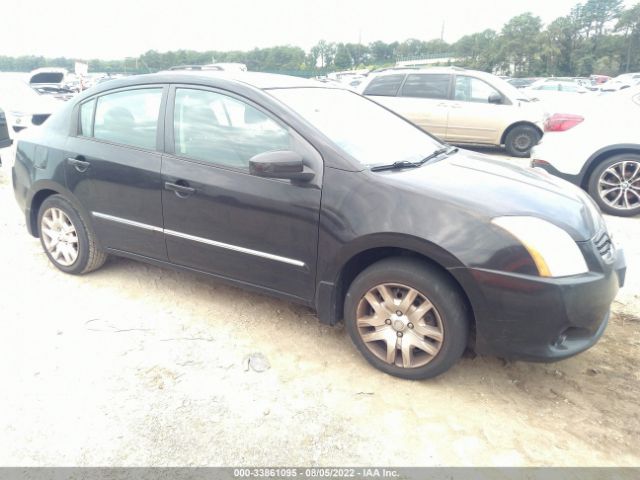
{"x":182,"y":190}
{"x":79,"y":164}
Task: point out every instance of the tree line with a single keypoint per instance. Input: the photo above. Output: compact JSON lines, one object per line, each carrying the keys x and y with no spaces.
{"x":597,"y":36}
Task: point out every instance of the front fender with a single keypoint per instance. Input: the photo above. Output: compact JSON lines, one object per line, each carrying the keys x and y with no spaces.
{"x":355,"y":255}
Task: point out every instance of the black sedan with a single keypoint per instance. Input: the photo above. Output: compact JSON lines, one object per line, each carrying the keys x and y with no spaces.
{"x":320,"y":196}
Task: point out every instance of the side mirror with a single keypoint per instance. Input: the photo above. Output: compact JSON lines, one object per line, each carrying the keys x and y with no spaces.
{"x":495,"y":98}
{"x":280,"y":164}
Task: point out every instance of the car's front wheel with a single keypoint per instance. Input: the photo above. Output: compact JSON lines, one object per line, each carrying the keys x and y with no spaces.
{"x":407,"y":318}
{"x":65,"y":238}
{"x":615,"y":185}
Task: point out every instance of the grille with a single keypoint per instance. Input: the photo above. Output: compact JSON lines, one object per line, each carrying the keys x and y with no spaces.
{"x":604,"y":245}
{"x":39,"y":119}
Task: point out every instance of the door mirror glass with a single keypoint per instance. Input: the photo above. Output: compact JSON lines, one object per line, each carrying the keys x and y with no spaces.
{"x":280,"y":164}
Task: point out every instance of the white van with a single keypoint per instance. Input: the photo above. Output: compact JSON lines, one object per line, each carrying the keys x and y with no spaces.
{"x":460,"y":106}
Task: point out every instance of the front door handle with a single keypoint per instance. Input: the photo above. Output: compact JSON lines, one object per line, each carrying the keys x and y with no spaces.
{"x":79,"y":164}
{"x":182,"y":189}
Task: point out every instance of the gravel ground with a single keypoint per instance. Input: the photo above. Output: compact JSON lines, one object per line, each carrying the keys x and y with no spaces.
{"x":137,"y":365}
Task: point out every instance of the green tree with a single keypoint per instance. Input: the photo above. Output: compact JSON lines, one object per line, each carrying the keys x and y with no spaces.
{"x":342,"y":59}
{"x":519,"y":44}
{"x":629,"y":23}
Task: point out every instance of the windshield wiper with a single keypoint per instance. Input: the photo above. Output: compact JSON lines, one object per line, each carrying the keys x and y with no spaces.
{"x":406,"y":164}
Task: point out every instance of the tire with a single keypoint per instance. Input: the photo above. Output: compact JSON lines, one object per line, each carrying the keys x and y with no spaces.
{"x":443,"y":326}
{"x":520,"y":140}
{"x":56,"y":217}
{"x":622,"y":170}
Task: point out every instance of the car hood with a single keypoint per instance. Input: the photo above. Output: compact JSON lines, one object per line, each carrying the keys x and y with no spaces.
{"x":493,"y":188}
{"x":38,"y":104}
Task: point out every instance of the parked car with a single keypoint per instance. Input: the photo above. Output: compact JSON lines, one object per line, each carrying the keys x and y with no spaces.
{"x":626,"y":80}
{"x":598,"y":151}
{"x":559,"y":95}
{"x":51,"y":81}
{"x":23,"y":106}
{"x":597,"y":80}
{"x":520,"y":82}
{"x":460,"y":106}
{"x":320,"y":196}
{"x":555,"y":85}
{"x":5,"y":137}
{"x":231,"y":67}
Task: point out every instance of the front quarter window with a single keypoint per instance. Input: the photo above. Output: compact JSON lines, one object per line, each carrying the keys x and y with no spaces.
{"x":86,"y":118}
{"x":366,"y":131}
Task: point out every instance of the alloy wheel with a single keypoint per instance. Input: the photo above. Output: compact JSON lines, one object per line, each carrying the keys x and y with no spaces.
{"x":399,"y":325}
{"x":59,"y":236}
{"x":619,"y":185}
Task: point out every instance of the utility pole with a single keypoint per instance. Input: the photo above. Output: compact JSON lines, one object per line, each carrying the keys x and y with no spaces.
{"x":442,"y":32}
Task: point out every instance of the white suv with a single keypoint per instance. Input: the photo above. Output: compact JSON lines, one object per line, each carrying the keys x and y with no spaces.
{"x":460,"y":106}
{"x":598,"y":151}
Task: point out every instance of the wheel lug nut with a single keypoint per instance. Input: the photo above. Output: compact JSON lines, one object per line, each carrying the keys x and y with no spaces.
{"x":399,"y":334}
{"x":410,"y":325}
{"x":399,"y":313}
{"x":388,"y":321}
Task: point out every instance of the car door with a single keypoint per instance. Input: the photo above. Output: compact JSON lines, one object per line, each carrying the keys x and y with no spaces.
{"x":472,"y":118}
{"x":219,"y":218}
{"x":424,"y":99}
{"x":113,"y":168}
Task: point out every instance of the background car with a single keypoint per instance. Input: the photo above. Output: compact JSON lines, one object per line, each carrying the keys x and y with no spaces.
{"x":460,"y":106}
{"x":598,"y":151}
{"x":5,"y":137}
{"x":521,"y":82}
{"x":23,"y":106}
{"x":558,"y":95}
{"x":52,"y":81}
{"x":626,"y":80}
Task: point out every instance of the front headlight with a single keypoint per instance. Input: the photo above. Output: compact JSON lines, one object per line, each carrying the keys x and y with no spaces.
{"x":552,"y":249}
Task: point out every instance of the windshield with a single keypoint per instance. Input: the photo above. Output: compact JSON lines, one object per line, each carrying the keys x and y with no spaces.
{"x":366,"y":131}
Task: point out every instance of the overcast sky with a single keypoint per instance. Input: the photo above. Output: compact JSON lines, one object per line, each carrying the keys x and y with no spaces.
{"x":111,"y":29}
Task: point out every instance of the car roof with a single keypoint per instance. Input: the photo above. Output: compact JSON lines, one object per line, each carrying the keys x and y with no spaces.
{"x":262,"y":81}
{"x":450,"y":70}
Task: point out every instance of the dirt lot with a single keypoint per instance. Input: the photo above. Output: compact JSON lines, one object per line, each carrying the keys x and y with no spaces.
{"x":136,"y":365}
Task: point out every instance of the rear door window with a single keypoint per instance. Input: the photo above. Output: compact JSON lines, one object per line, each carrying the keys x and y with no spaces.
{"x":129,"y":117}
{"x":385,"y":85}
{"x":427,"y":85}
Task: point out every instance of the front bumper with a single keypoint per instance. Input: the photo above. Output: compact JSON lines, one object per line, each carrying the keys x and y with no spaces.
{"x":543,"y":319}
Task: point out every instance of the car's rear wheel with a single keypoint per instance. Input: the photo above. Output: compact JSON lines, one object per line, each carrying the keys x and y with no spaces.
{"x":65,"y":238}
{"x":407,"y":318}
{"x":615,"y":185}
{"x":520,"y":140}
